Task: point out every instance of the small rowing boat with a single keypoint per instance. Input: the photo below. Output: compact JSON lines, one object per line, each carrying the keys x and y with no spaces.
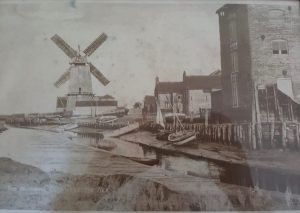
{"x":185,"y":141}
{"x":181,"y":136}
{"x":66,"y":127}
{"x":146,"y":161}
{"x":124,"y":130}
{"x":106,"y":119}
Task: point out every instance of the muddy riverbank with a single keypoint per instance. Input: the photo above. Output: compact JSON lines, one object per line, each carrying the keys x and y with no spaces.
{"x":49,"y":171}
{"x":27,"y":187}
{"x":287,"y":161}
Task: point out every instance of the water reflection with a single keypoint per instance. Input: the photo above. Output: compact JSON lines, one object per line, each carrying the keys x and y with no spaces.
{"x":38,"y":148}
{"x":253,"y":177}
{"x":179,"y":163}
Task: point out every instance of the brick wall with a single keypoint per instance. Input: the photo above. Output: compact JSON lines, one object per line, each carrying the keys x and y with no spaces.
{"x":274,"y":22}
{"x":243,"y":111}
{"x":257,"y":27}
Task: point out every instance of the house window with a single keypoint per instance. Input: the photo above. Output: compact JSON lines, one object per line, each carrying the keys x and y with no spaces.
{"x":166,"y":104}
{"x":179,"y":98}
{"x":234,"y":61}
{"x":234,"y":87}
{"x":279,"y":47}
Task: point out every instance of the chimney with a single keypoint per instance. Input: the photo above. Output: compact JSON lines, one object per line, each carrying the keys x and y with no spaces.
{"x":156,"y":80}
{"x":184,"y":75}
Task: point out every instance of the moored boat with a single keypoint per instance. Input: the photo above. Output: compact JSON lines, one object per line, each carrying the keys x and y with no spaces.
{"x":106,"y":145}
{"x":106,"y":119}
{"x":2,"y":127}
{"x":146,"y":161}
{"x":185,"y":141}
{"x":66,"y":127}
{"x":124,"y":130}
{"x":181,"y":135}
{"x":163,"y":134}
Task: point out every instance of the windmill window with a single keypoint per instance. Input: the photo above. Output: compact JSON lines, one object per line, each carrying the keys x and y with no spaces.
{"x":279,"y":47}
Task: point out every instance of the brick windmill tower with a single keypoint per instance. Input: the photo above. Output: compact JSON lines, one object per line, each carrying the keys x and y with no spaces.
{"x":80,"y":100}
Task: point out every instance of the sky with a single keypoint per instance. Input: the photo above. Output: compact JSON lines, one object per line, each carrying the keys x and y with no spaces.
{"x":145,"y":40}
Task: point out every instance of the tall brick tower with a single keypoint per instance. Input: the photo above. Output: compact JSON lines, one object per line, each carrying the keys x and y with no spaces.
{"x":258,"y":44}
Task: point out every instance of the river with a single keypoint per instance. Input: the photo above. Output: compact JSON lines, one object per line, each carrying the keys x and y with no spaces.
{"x":54,"y":151}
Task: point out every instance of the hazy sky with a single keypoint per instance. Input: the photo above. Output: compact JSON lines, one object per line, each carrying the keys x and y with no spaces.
{"x":144,"y":41}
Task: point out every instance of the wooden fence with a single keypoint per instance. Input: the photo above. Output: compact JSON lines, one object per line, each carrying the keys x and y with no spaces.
{"x":254,"y":136}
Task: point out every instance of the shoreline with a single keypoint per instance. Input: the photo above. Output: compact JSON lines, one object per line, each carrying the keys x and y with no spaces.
{"x":212,"y":152}
{"x":222,"y":154}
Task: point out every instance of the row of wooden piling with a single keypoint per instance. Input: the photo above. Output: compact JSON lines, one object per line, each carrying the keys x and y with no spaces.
{"x":254,"y":136}
{"x":95,"y":125}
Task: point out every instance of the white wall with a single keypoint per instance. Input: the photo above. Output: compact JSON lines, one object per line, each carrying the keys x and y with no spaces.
{"x":165,"y":99}
{"x":198,"y":99}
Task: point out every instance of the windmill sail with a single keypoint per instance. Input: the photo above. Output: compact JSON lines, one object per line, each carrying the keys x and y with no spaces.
{"x":98,"y":75}
{"x":64,"y":78}
{"x":159,"y":116}
{"x":69,"y":51}
{"x":95,"y":44}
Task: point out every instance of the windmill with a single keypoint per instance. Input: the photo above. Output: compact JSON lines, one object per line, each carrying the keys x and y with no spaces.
{"x":79,"y":72}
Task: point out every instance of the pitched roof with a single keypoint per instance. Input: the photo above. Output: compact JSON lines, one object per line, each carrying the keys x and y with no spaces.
{"x":216,"y":73}
{"x":297,"y":90}
{"x":202,"y":82}
{"x":169,"y":87}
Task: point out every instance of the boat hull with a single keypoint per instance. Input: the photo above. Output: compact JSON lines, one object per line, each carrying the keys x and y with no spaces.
{"x":180,"y":136}
{"x":163,"y":135}
{"x":185,"y":141}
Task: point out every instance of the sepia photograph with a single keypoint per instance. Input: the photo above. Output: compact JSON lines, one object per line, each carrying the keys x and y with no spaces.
{"x":149,"y":105}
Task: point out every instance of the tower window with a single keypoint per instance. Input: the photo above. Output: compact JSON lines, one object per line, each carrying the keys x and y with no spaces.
{"x":234,"y":88}
{"x":234,"y":61}
{"x":277,"y":17}
{"x":232,"y":30}
{"x":79,"y":90}
{"x":280,"y":47}
{"x":275,"y":13}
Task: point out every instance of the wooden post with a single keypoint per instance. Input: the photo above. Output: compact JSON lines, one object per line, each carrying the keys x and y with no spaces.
{"x":272,"y":133}
{"x":258,"y":117}
{"x":283,"y":134}
{"x":229,"y":134}
{"x":291,"y":109}
{"x":253,"y":120}
{"x":206,"y":116}
{"x":297,"y":134}
{"x":250,"y":136}
{"x":267,"y":102}
{"x":224,"y":133}
{"x":277,"y":106}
